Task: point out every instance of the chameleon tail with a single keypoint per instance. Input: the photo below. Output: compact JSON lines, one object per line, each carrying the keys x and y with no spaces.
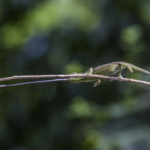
{"x":33,"y":82}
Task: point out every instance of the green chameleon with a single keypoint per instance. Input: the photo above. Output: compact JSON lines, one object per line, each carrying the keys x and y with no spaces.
{"x":106,"y":70}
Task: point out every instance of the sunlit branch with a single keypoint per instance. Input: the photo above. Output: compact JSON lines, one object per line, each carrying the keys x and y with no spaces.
{"x":37,"y":77}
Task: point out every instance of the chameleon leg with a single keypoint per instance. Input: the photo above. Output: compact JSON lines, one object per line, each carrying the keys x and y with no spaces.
{"x":97,"y":83}
{"x":119,"y":73}
{"x":89,"y":72}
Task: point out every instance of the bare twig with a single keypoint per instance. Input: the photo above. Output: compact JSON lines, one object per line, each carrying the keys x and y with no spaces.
{"x":36,"y":77}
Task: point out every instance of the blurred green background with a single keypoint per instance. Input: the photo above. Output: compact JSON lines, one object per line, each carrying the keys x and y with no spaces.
{"x":65,"y":36}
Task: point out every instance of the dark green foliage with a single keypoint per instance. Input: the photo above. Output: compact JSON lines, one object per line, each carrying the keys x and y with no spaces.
{"x":65,"y":36}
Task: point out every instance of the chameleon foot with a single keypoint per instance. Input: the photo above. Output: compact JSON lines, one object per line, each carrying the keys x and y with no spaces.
{"x":120,"y":77}
{"x":97,"y":83}
{"x":89,"y":72}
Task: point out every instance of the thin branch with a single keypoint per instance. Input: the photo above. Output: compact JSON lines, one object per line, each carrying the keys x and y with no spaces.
{"x":36,"y":77}
{"x":32,"y":82}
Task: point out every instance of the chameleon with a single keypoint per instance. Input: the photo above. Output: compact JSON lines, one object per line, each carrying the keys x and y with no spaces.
{"x":106,"y":70}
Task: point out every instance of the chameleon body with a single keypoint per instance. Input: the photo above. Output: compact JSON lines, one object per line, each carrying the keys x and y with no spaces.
{"x":108,"y":69}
